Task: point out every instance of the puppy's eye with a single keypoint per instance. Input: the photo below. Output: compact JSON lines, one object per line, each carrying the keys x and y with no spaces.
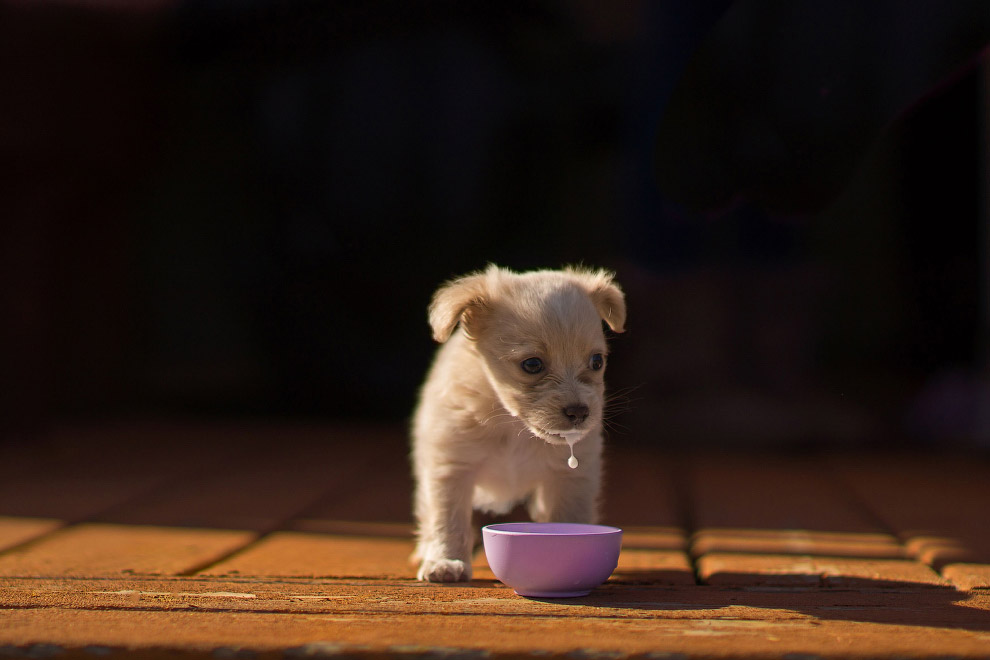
{"x":597,"y":361}
{"x":532,"y":365}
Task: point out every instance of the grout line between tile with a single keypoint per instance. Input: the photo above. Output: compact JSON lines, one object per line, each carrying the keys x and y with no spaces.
{"x":283,"y":524}
{"x":682,"y":476}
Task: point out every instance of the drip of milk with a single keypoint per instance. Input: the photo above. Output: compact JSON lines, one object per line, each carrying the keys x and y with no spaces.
{"x":571,"y":438}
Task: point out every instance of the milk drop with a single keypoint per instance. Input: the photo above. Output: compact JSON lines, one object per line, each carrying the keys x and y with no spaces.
{"x":572,"y":462}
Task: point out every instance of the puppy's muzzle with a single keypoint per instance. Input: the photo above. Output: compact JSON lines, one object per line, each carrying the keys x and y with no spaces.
{"x":576,"y":413}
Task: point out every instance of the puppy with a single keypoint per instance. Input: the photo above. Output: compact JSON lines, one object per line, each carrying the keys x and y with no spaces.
{"x":516,"y":387}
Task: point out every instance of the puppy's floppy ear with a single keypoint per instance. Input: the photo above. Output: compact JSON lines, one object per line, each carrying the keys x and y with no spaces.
{"x":606,"y":295}
{"x":463,"y":301}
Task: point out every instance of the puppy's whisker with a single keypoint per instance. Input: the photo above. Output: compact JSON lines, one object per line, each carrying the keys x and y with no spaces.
{"x":618,"y":403}
{"x":612,"y":427}
{"x":497,"y":415}
{"x":612,"y":411}
{"x":628,"y":389}
{"x":622,"y":394}
{"x":620,"y":398}
{"x":611,"y":423}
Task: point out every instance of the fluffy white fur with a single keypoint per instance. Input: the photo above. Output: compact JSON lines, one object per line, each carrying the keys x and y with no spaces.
{"x":487,"y":434}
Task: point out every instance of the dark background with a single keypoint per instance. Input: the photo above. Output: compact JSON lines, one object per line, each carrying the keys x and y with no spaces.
{"x":240,"y":209}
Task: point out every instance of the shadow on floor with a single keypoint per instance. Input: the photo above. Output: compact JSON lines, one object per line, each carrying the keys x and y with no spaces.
{"x":862,"y":601}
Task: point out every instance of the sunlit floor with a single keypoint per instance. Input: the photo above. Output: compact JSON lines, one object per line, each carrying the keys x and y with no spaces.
{"x":252,"y":539}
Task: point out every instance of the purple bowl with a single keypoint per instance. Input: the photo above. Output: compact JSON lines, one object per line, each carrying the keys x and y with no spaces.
{"x":552,"y":560}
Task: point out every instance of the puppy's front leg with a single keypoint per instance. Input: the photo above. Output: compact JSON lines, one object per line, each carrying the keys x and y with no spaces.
{"x":445,"y":526}
{"x":566,"y":498}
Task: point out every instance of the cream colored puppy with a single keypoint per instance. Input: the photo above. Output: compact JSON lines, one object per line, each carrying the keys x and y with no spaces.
{"x":512,"y":392}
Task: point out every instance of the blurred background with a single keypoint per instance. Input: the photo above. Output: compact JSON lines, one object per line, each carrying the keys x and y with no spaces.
{"x":217,"y":209}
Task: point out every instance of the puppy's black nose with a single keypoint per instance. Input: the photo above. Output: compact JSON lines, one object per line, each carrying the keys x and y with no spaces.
{"x":576,"y":412}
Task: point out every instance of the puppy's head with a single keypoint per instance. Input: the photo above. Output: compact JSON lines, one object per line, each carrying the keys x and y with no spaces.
{"x":540,"y":338}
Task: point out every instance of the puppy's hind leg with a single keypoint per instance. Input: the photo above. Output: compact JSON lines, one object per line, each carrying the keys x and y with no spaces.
{"x":445,"y":533}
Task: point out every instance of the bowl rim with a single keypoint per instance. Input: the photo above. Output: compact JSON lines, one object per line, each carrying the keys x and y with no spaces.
{"x":527,"y":529}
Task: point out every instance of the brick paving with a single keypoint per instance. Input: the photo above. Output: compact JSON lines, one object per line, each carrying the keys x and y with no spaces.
{"x":254,"y":540}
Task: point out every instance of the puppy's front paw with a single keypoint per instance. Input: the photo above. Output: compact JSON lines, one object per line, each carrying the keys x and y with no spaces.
{"x":444,"y":570}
